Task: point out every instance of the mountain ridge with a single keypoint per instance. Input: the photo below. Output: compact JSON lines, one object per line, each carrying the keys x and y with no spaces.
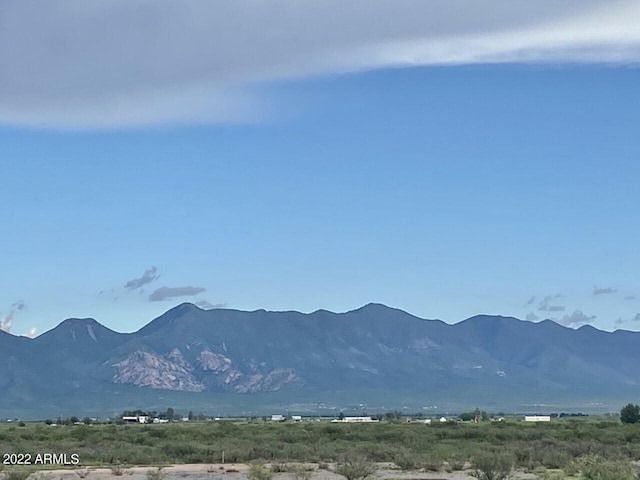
{"x":190,"y":306}
{"x":287,"y":354}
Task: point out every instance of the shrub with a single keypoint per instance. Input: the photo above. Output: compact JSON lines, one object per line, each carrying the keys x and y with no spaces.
{"x":301,"y":472}
{"x":155,"y":474}
{"x":117,"y":470}
{"x":356,"y":469}
{"x":406,"y":461}
{"x":279,"y":467}
{"x":16,"y":475}
{"x":630,"y":413}
{"x":41,"y":476}
{"x":554,"y":458}
{"x":259,"y":471}
{"x":492,"y":467}
{"x":456,"y":463}
{"x":432,"y":464}
{"x":596,"y":468}
{"x":549,"y":475}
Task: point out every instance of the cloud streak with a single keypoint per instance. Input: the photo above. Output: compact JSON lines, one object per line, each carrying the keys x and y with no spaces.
{"x":148,"y":276}
{"x":166,"y":293}
{"x":113,"y":64}
{"x":19,"y":305}
{"x":604,"y":291}
{"x":549,"y":304}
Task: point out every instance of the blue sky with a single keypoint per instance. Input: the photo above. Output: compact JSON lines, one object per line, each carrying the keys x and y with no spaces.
{"x":502,"y":183}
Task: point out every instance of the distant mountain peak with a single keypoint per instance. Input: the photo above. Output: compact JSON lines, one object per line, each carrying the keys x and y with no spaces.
{"x":183,"y":309}
{"x":77,"y":324}
{"x":374,"y":307}
{"x":78,"y":329}
{"x":171,"y":316}
{"x":69,"y":322}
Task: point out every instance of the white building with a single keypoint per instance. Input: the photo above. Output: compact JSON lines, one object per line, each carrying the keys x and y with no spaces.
{"x":537,"y":418}
{"x":355,"y":420}
{"x":277,"y":418}
{"x":136,"y":419}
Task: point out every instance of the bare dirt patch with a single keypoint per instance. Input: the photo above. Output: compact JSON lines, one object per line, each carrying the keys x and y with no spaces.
{"x":238,"y":471}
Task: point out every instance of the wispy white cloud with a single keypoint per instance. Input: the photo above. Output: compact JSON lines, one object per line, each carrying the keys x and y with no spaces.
{"x":95,"y":64}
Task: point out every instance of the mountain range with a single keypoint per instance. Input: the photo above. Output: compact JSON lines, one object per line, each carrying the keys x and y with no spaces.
{"x":374,"y":358}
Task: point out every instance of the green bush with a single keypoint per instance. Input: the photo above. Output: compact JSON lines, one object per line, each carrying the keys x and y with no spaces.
{"x":596,"y":468}
{"x":16,"y":474}
{"x":432,"y":464}
{"x":496,"y":466}
{"x":301,"y":472}
{"x":356,"y":469}
{"x":630,"y":413}
{"x":456,"y":463}
{"x":554,"y":445}
{"x":259,"y":471}
{"x":553,"y":475}
{"x":406,"y":461}
{"x":118,"y":470}
{"x":279,"y":467}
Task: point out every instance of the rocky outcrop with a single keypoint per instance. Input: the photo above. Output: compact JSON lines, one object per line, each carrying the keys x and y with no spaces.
{"x":173,"y":372}
{"x":220,"y":365}
{"x":145,"y":369}
{"x":270,"y":381}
